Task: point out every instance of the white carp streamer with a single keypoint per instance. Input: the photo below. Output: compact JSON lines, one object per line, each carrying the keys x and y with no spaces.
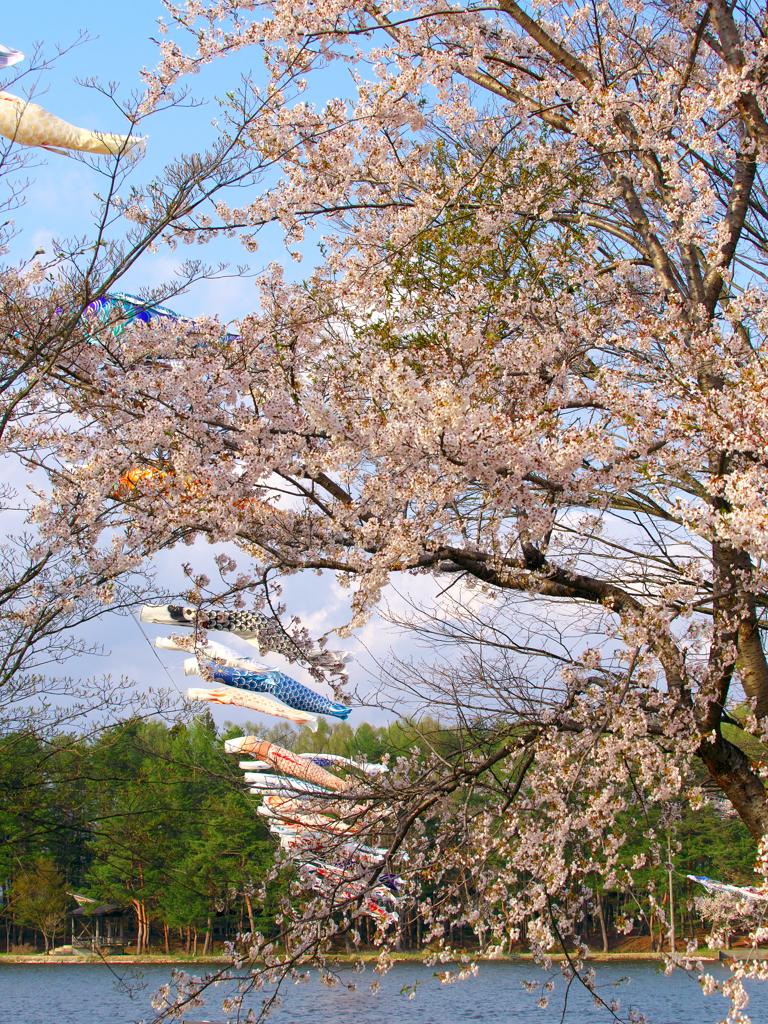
{"x":254,"y":701}
{"x":9,"y":57}
{"x":32,"y":125}
{"x":284,"y":785}
{"x":214,"y":651}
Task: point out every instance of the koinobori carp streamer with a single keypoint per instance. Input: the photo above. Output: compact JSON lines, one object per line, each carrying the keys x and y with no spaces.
{"x":9,"y":57}
{"x":336,"y":761}
{"x":32,"y":125}
{"x":308,"y":820}
{"x":291,"y":764}
{"x":255,"y":702}
{"x":268,"y":680}
{"x":255,"y":628}
{"x":307,"y":814}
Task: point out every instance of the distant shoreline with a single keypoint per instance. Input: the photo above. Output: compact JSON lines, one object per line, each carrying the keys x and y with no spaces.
{"x":415,"y":958}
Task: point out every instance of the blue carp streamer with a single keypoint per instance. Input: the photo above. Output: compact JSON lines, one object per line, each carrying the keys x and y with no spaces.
{"x":336,"y":761}
{"x":119,"y":310}
{"x":288,"y":690}
{"x":745,"y":892}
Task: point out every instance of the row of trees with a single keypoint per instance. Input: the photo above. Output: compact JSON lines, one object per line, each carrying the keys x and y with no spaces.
{"x":155,"y":819}
{"x":147,"y":817}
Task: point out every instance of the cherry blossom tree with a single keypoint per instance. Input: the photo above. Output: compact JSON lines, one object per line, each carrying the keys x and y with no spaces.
{"x":531,"y":364}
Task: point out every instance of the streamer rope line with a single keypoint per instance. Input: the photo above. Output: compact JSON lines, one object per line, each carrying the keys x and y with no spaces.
{"x":157,"y":656}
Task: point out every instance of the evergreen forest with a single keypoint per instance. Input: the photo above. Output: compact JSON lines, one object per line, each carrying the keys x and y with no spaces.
{"x":156,"y":820}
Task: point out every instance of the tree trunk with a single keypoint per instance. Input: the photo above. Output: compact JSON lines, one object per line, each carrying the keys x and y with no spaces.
{"x":249,"y":908}
{"x":166,"y":939}
{"x":194,"y":950}
{"x":601,"y":916}
{"x":734,"y":602}
{"x":731,"y":770}
{"x":139,"y":932}
{"x":206,"y":944}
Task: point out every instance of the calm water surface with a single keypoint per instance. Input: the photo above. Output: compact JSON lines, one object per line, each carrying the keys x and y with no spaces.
{"x":87,"y":994}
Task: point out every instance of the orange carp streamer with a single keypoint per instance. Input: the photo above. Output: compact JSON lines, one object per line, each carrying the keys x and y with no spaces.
{"x":287,"y":763}
{"x":194,"y":489}
{"x":295,"y":805}
{"x":310,"y":820}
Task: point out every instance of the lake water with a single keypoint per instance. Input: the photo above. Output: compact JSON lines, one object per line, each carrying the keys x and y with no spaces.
{"x":88,"y":994}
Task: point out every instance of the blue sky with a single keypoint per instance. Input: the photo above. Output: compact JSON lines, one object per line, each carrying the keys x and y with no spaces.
{"x":120,"y":45}
{"x":59,"y":201}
